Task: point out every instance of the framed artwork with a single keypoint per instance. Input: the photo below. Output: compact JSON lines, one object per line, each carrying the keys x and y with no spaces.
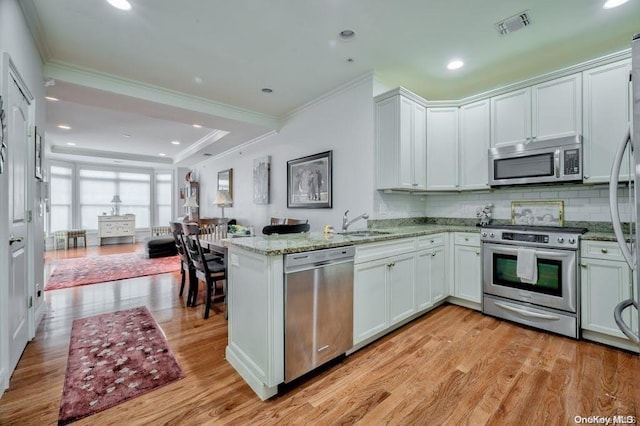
{"x":309,"y":181}
{"x":225,"y":182}
{"x":549,"y":213}
{"x":261,"y":171}
{"x":38,"y":156}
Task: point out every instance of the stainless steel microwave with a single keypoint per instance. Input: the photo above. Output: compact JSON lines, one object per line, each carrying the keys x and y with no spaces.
{"x":543,"y":161}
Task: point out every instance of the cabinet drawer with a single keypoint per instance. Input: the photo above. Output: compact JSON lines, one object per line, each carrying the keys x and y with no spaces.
{"x":379,"y":250}
{"x":601,"y":250}
{"x":467,"y":239}
{"x":428,"y":241}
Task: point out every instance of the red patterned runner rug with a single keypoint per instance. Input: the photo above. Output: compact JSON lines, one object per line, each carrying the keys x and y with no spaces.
{"x":99,"y":269}
{"x":112,"y":358}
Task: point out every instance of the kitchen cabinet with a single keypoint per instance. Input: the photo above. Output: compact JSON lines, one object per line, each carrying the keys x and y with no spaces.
{"x":401,"y":141}
{"x":383,"y":289}
{"x":467,"y":278}
{"x":606,"y":110}
{"x":442,"y":149}
{"x":605,"y":282}
{"x":431,"y":271}
{"x":474,"y":143}
{"x":546,"y":110}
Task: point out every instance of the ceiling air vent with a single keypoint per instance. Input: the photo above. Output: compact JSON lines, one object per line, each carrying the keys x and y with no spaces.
{"x":206,"y":154}
{"x":514,"y":23}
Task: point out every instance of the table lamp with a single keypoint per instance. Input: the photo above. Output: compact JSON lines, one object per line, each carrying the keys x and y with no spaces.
{"x":191,"y":204}
{"x":223,"y":199}
{"x":116,"y":201}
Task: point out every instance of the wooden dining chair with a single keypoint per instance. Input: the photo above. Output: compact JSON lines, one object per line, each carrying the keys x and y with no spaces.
{"x":185,"y":268}
{"x":210,"y":270}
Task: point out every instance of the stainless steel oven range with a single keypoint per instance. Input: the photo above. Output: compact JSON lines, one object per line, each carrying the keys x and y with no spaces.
{"x":530,"y":276}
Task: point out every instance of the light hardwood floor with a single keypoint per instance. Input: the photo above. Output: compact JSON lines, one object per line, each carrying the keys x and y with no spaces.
{"x":452,"y":366}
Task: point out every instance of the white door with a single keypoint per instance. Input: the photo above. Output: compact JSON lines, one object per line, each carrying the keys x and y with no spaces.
{"x":17,"y":111}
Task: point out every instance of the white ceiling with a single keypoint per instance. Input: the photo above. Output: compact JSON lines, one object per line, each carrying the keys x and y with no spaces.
{"x":135,"y":72}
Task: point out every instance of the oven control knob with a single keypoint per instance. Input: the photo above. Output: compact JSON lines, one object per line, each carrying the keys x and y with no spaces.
{"x":492,"y":235}
{"x":560,"y":240}
{"x":572,"y":240}
{"x":484,"y":234}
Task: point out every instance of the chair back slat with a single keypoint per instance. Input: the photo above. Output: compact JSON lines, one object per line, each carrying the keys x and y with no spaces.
{"x":178,"y":237}
{"x":194,"y":249}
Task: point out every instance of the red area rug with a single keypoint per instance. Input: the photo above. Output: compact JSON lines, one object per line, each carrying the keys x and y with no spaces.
{"x":112,"y":358}
{"x":99,"y":269}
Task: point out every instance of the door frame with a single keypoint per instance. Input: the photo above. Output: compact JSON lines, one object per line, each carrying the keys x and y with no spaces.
{"x":9,"y":70}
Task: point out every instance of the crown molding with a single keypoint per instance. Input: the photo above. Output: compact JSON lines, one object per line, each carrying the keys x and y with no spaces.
{"x":193,"y":149}
{"x":57,"y":149}
{"x":122,"y":86}
{"x":35,"y":28}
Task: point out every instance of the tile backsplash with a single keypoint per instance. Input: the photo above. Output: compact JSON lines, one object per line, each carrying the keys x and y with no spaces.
{"x":581,"y":202}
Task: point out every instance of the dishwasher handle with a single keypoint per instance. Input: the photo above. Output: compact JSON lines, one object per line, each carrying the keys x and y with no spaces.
{"x":317,"y":265}
{"x":318,"y":258}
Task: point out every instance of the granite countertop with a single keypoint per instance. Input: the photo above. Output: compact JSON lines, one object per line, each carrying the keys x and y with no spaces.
{"x":273,"y":245}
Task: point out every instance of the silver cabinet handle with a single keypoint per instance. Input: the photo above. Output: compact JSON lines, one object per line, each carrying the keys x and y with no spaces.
{"x":604,"y":250}
{"x":584,"y":265}
{"x":585,"y":177}
{"x":13,"y":239}
{"x":478,"y":253}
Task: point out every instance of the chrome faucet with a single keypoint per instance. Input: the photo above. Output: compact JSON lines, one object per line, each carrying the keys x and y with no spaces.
{"x":346,"y":222}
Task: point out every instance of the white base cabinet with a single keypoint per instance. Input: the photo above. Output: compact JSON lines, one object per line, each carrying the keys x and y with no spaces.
{"x":431,"y":285}
{"x":605,"y":282}
{"x":467,"y":281}
{"x":383,"y":288}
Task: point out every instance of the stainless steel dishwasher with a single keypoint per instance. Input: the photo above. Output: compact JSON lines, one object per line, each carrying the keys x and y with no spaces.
{"x":318,"y":308}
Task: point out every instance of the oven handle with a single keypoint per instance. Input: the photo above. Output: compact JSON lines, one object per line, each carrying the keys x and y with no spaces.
{"x":513,"y":250}
{"x":527,"y":313}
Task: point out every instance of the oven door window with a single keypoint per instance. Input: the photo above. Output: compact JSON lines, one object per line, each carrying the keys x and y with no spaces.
{"x":549,"y":275}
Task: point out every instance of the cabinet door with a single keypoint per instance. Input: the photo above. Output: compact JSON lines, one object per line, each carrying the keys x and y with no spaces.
{"x":407,"y":137}
{"x":442,"y":149}
{"x":387,"y":143}
{"x":424,"y":272}
{"x":369,"y":299}
{"x":557,"y":108}
{"x":606,"y":116}
{"x":511,"y":117}
{"x":401,"y":287}
{"x":438,"y":278}
{"x":419,"y":147}
{"x":604,"y":284}
{"x":468,"y":278}
{"x":475,"y":139}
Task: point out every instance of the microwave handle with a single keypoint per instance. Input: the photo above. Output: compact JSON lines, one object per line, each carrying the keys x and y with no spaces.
{"x":557,"y":162}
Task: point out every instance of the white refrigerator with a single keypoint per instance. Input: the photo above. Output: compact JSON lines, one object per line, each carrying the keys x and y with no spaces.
{"x":632,"y":139}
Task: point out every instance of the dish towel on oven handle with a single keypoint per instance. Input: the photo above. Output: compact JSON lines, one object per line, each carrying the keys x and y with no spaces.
{"x":527,"y":267}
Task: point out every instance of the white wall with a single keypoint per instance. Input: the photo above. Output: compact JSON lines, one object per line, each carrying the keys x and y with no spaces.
{"x":16,"y":39}
{"x":341,"y":121}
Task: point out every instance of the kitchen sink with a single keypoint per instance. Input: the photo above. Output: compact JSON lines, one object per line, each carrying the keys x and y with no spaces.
{"x":364,"y":233}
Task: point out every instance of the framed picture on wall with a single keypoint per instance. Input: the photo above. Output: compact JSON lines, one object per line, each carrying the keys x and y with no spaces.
{"x":225,"y":182}
{"x":261,"y":170}
{"x":309,"y":183}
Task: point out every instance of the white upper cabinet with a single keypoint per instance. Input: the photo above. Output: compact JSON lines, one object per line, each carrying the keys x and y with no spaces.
{"x":606,"y":116}
{"x":400,"y":141}
{"x":442,"y":149}
{"x":546,"y":110}
{"x":475,"y":139}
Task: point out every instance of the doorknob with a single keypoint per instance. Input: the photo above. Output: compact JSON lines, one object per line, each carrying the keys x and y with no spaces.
{"x":13,"y":239}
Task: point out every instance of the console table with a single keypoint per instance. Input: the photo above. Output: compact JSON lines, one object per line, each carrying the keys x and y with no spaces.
{"x":116,"y":226}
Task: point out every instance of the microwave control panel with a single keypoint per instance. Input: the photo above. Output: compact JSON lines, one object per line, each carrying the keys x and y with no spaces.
{"x":572,"y":162}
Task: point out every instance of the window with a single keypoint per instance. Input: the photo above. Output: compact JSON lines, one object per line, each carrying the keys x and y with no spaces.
{"x":163,"y":199}
{"x":61,"y":189}
{"x":96,"y":188}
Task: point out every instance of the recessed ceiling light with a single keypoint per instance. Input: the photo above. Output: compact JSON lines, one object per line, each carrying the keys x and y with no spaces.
{"x":120,"y":4}
{"x":350,"y":60}
{"x":126,"y":135}
{"x":162,"y":154}
{"x":71,"y":144}
{"x":347,"y":35}
{"x":610,"y":4}
{"x":267,"y":90}
{"x":197,"y":126}
{"x":175,"y":142}
{"x":197,"y":80}
{"x":455,"y":64}
{"x":64,"y":127}
{"x":51,"y":98}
